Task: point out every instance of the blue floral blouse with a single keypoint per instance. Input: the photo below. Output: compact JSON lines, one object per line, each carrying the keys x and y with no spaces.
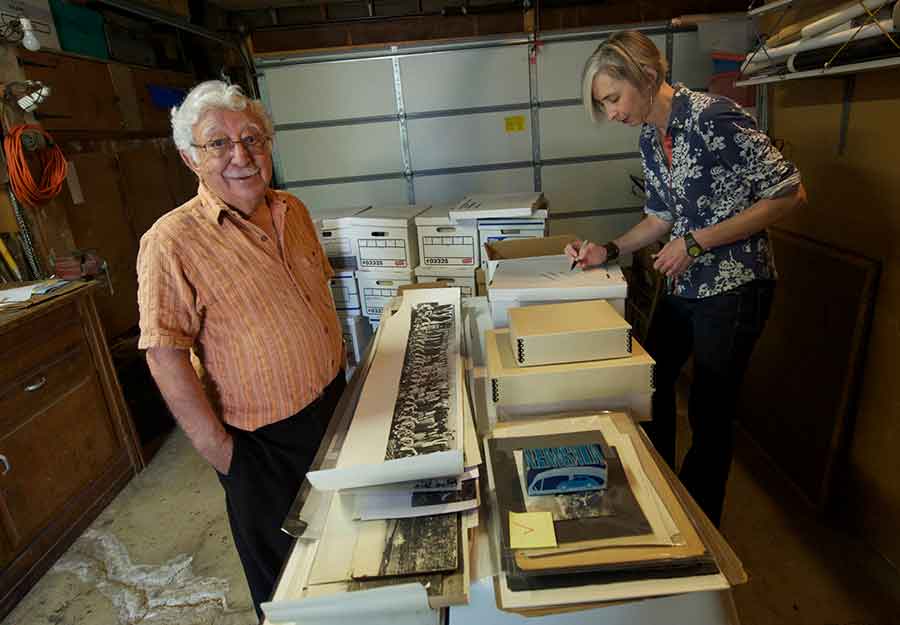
{"x":721,"y":165}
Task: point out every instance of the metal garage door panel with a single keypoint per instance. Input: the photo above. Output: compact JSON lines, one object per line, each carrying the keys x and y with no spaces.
{"x":598,"y":228}
{"x":320,"y":197}
{"x":340,"y":151}
{"x":464,"y":140}
{"x":690,"y":65}
{"x":452,"y":188}
{"x":560,"y":65}
{"x":325,"y":91}
{"x":591,"y":186}
{"x":567,"y":131}
{"x":465,"y":78}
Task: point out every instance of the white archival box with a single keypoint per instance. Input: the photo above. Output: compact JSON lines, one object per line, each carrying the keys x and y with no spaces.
{"x":498,"y":205}
{"x":462,"y":277}
{"x":386,"y":237}
{"x":553,"y":334}
{"x":344,"y":290}
{"x":357,"y":333}
{"x":337,"y":236}
{"x":548,"y":280}
{"x":376,"y":288}
{"x":553,"y":389}
{"x":446,"y":244}
{"x":492,"y":230}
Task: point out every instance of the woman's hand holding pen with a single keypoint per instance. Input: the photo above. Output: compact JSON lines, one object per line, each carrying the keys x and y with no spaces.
{"x":672,"y":259}
{"x":585,"y":254}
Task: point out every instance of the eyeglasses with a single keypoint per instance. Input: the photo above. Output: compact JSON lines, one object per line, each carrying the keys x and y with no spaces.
{"x":219,"y":148}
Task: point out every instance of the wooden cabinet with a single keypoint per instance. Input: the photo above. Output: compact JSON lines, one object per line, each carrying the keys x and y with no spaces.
{"x":67,"y":444}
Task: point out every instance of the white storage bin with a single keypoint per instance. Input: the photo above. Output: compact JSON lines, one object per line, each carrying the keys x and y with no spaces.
{"x":337,"y":236}
{"x":451,"y":276}
{"x":376,"y":288}
{"x":446,"y":244}
{"x":386,"y":237}
{"x":345,"y":291}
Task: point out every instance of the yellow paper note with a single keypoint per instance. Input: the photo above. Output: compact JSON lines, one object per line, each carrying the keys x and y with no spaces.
{"x":515,"y":123}
{"x":531,"y":530}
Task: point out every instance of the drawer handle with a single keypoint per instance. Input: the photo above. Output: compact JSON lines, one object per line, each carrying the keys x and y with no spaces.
{"x":5,"y":463}
{"x":36,"y":386}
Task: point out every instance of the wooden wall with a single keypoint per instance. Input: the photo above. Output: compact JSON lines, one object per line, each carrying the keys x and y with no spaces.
{"x":854,"y":204}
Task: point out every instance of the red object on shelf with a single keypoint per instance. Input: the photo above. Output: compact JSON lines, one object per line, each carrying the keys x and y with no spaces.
{"x":723,"y":84}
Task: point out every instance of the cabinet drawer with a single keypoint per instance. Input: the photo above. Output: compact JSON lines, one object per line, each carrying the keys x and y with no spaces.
{"x":40,"y":387}
{"x":52,"y":456}
{"x":41,"y":340}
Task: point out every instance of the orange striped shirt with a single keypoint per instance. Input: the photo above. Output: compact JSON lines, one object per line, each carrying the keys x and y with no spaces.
{"x":263,"y":326}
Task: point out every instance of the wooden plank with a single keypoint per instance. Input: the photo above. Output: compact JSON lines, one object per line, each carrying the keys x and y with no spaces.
{"x":123,"y":85}
{"x":144,"y":176}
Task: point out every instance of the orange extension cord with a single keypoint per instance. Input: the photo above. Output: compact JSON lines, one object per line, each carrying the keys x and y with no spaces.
{"x":52,"y":162}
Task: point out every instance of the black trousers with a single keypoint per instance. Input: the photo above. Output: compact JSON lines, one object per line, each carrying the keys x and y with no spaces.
{"x":267,"y":468}
{"x":721,"y":332}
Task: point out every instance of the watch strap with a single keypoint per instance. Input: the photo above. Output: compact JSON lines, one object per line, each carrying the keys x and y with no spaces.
{"x":612,"y":251}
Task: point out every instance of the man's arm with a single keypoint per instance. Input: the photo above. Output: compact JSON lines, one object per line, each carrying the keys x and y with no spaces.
{"x":181,"y":388}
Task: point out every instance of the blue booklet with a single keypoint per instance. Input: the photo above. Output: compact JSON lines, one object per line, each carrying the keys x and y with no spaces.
{"x":560,"y":470}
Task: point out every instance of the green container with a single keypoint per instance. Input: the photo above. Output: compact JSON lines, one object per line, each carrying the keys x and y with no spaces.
{"x":80,"y":29}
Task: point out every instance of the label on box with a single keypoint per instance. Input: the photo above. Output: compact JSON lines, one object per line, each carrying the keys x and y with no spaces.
{"x":386,"y":253}
{"x":448,"y":250}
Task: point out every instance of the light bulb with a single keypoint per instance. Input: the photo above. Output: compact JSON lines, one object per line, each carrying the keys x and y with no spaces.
{"x":29,"y":40}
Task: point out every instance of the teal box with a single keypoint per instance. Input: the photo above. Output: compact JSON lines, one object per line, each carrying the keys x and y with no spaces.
{"x":80,"y":29}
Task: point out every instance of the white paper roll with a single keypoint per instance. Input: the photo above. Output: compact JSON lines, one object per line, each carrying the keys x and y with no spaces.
{"x":829,"y":22}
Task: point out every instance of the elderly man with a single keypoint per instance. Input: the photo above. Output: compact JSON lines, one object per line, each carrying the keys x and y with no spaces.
{"x":238,"y":276}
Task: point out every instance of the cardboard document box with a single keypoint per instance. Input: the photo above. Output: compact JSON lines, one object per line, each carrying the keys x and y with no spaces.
{"x":493,"y":231}
{"x":548,"y":280}
{"x":461,"y":277}
{"x":446,"y":244}
{"x":357,"y":333}
{"x":344,"y":290}
{"x":335,"y":228}
{"x":498,"y":205}
{"x":376,"y":288}
{"x":619,"y":383}
{"x":386,"y":237}
{"x":570,"y":332}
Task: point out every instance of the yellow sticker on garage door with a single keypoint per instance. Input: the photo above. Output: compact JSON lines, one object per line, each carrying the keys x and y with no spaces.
{"x":515,"y":123}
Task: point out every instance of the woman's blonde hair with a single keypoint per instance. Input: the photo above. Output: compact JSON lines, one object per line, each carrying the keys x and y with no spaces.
{"x":624,"y":56}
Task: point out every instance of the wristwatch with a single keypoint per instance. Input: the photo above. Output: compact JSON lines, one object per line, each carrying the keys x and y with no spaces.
{"x":694,"y":249}
{"x":612,"y":251}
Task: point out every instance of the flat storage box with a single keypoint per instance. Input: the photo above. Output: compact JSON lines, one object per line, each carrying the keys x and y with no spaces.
{"x":446,"y":244}
{"x":451,"y":276}
{"x":357,"y":334}
{"x":619,"y":383}
{"x":548,"y":280}
{"x":337,"y":236}
{"x":345,"y":290}
{"x":376,"y":288}
{"x":498,"y":206}
{"x":569,"y":332}
{"x":386,"y":237}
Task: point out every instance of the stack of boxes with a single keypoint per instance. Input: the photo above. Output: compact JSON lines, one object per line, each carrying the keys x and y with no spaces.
{"x":566,"y":358}
{"x":449,"y":251}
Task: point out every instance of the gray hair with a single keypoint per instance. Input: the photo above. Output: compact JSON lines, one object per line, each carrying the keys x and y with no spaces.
{"x":625,"y":56}
{"x":212,"y":94}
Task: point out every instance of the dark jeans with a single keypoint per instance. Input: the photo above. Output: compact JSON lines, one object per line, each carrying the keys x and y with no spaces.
{"x":721,"y":332}
{"x":267,"y":467}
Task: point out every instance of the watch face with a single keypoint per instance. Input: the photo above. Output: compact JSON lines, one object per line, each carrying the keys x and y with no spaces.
{"x":694,"y":251}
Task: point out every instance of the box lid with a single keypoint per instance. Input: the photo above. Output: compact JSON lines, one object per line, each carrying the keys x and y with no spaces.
{"x":487,"y":205}
{"x":329,"y":218}
{"x":445,"y":272}
{"x":440,"y":216}
{"x":386,"y":274}
{"x":389,"y":215}
{"x":502,"y":362}
{"x":537,"y":218}
{"x":565,"y":318}
{"x":549,"y":278}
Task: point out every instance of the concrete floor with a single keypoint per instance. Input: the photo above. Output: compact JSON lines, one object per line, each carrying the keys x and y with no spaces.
{"x":162,"y":554}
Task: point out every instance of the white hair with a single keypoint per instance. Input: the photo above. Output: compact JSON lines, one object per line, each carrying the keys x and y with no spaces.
{"x":212,"y":94}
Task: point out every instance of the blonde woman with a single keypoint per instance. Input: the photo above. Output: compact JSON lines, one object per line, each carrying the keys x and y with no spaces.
{"x":714,"y":183}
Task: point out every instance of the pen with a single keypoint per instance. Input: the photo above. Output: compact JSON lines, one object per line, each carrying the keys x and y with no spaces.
{"x":574,"y":262}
